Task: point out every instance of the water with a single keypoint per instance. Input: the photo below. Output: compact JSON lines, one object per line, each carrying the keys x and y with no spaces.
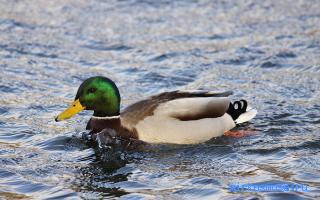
{"x":266,"y":51}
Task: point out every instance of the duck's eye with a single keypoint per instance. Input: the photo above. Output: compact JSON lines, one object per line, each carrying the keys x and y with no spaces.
{"x":92,"y":90}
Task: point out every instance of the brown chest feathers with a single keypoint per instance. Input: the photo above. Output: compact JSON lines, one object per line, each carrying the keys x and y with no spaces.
{"x":97,"y":125}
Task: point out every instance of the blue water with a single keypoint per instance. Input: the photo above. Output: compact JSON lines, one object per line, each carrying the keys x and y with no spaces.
{"x":265,"y":51}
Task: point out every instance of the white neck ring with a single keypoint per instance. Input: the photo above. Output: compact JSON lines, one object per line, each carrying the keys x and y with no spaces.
{"x":107,"y":117}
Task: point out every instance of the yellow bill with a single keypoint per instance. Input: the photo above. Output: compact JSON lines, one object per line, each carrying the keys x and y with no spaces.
{"x":75,"y":108}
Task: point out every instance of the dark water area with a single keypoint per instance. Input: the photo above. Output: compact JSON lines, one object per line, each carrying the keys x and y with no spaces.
{"x":265,"y":51}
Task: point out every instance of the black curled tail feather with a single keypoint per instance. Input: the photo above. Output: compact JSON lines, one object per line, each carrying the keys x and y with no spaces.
{"x":237,"y":108}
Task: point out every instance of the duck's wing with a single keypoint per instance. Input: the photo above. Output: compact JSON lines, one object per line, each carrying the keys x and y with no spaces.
{"x":192,"y":105}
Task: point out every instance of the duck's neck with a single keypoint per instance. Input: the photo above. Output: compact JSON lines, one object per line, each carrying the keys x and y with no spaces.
{"x":96,"y":124}
{"x":107,"y":113}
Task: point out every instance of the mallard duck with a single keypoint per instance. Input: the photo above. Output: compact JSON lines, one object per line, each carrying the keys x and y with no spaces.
{"x":179,"y":117}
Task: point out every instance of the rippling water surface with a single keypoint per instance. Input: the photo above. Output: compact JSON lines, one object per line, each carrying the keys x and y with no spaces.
{"x":266,"y":51}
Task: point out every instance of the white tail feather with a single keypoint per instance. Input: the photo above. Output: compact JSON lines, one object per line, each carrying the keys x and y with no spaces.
{"x":248,"y":115}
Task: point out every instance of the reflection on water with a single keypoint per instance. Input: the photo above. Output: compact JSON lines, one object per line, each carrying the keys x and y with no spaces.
{"x":266,"y":51}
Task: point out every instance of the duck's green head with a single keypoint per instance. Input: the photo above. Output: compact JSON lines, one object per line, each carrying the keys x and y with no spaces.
{"x":99,"y":94}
